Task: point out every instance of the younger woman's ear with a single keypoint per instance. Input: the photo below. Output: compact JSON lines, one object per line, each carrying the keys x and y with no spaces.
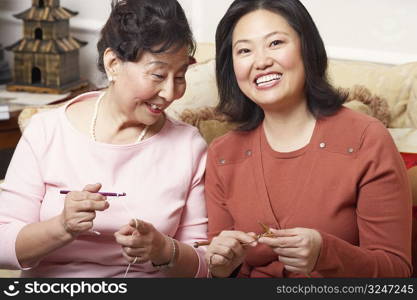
{"x":111,"y":64}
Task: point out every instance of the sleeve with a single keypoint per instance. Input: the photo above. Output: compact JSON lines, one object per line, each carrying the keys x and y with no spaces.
{"x":383,"y":216}
{"x":218,"y":213}
{"x":22,"y":193}
{"x":193,"y":226}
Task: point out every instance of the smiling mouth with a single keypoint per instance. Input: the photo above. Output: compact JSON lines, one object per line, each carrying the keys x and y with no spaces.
{"x":268,"y":79}
{"x":154,"y":107}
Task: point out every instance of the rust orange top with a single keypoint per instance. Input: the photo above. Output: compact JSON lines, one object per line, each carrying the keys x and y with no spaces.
{"x":349,"y":183}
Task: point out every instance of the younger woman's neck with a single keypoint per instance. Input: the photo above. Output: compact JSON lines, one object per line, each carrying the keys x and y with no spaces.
{"x":289,"y":129}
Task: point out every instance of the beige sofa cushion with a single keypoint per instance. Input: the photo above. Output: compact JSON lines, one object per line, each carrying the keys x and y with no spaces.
{"x":201,"y":89}
{"x":397,"y":84}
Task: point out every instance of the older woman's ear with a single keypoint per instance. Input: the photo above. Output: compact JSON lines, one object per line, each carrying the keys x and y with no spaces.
{"x":111,"y":64}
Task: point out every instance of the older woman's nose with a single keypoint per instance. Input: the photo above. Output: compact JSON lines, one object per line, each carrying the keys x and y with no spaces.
{"x":168,"y":91}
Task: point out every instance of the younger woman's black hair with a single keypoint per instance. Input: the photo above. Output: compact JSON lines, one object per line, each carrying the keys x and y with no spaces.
{"x":322,"y":98}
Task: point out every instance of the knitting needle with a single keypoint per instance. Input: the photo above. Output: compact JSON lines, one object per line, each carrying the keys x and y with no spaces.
{"x":267,"y":232}
{"x":101,"y":193}
{"x":202,"y":243}
{"x":205,"y":243}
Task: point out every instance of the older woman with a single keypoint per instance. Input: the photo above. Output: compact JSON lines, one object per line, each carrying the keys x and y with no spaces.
{"x":118,"y":140}
{"x":327,"y":181}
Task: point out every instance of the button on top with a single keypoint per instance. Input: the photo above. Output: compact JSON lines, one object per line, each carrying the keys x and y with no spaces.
{"x":351,"y":150}
{"x":248,"y":153}
{"x":322,"y":145}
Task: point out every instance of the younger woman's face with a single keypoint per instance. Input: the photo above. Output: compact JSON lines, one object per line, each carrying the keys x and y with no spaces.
{"x":267,"y":60}
{"x":147,"y":87}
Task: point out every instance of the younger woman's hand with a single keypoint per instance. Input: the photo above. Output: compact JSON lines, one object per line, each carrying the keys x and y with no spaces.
{"x":298,"y":248}
{"x":227,"y":251}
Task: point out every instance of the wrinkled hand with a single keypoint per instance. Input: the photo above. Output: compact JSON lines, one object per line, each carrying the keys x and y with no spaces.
{"x":298,"y":248}
{"x":141,"y":242}
{"x":227,"y":251}
{"x":80,"y":209}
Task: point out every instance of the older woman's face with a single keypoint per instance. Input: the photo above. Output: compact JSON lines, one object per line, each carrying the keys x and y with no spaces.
{"x":147,"y":87}
{"x":267,"y":60}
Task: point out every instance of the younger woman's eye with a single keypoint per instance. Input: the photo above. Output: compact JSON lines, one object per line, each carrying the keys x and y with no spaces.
{"x":158,"y":76}
{"x":276,"y":43}
{"x":243,"y":51}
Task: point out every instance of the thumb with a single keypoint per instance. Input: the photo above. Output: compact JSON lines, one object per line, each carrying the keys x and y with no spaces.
{"x":141,"y":226}
{"x":92,"y":188}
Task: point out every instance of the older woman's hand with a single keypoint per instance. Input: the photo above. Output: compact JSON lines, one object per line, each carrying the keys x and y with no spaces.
{"x":298,"y":248}
{"x":141,"y":243}
{"x":227,"y":251}
{"x":80,"y":209}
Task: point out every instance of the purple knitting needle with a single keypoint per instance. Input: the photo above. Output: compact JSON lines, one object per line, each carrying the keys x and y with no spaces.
{"x":101,"y":193}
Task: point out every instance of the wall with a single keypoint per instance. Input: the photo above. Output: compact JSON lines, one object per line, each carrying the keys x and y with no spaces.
{"x":372,"y":30}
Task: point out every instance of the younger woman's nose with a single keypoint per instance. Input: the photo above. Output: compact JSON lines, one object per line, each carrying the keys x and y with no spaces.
{"x":263,"y":60}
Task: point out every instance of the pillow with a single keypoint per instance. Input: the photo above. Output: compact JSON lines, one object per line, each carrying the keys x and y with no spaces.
{"x":397,"y":84}
{"x":361,"y":99}
{"x":201,"y":89}
{"x":356,"y":105}
{"x":210,"y":123}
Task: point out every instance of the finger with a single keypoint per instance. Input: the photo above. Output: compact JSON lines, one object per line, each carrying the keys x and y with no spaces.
{"x":242,"y":237}
{"x":217,"y":260}
{"x":291,"y":261}
{"x":124,"y":240}
{"x":92,"y":188}
{"x":91,"y":205}
{"x":224,"y":251}
{"x":136,"y":259}
{"x":95,"y":196}
{"x":283,"y":242}
{"x":126,"y":230}
{"x":84,"y":216}
{"x":294,"y":269}
{"x":141,"y":226}
{"x":288,"y":252}
{"x":284,"y":232}
{"x":132,"y":251}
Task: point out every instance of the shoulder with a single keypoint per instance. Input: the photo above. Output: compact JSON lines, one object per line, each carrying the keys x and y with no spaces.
{"x":348,"y":130}
{"x":233,"y":147}
{"x":186,"y":133}
{"x":49,"y":115}
{"x":42,"y":120}
{"x":349,"y":119}
{"x":178,"y":127}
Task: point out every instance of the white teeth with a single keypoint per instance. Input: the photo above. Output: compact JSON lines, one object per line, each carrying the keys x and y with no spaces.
{"x":268,"y":78}
{"x":154,"y":106}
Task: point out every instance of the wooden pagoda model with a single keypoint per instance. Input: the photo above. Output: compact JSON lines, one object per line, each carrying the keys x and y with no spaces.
{"x":5,"y":75}
{"x":46,"y":60}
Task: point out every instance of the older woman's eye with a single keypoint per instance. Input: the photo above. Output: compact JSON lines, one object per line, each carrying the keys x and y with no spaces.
{"x":180,"y":78}
{"x":158,"y":76}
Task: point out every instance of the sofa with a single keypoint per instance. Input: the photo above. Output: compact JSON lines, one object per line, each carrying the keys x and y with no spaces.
{"x":386,"y":92}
